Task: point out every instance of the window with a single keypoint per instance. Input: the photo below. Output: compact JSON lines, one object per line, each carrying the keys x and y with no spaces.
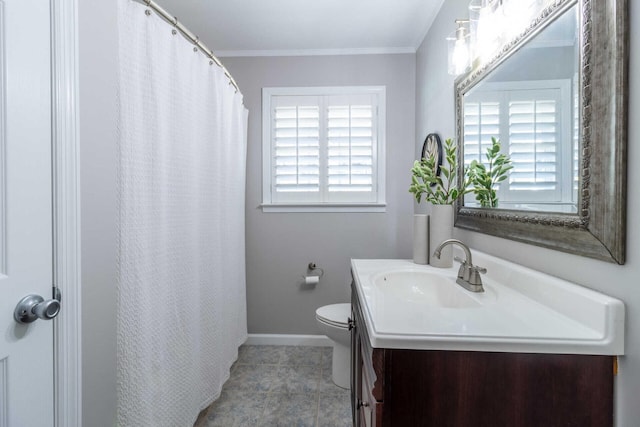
{"x":528,"y":119}
{"x":323,"y":149}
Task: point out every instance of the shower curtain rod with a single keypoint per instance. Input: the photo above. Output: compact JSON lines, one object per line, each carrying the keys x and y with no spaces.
{"x":190,"y":36}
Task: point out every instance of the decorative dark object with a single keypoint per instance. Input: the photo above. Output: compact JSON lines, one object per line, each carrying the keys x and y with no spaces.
{"x":433,"y":147}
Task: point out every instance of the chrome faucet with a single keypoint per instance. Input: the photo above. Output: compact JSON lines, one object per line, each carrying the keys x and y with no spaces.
{"x":468,"y":274}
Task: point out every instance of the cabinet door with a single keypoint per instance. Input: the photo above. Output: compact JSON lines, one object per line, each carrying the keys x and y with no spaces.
{"x":356,"y":366}
{"x":368,"y":404}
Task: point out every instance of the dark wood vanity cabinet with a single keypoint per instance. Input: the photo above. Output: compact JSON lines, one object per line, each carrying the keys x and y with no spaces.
{"x":397,"y":387}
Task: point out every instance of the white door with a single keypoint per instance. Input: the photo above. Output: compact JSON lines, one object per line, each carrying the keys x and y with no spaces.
{"x":26,"y":350}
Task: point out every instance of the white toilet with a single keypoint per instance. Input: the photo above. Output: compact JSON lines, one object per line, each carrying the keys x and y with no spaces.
{"x":333,"y":322}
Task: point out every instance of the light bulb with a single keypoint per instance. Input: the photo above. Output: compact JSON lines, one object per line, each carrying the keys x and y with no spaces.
{"x":460,"y":56}
{"x":490,"y":29}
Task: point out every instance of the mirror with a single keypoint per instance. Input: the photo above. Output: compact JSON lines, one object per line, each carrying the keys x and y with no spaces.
{"x":556,"y":98}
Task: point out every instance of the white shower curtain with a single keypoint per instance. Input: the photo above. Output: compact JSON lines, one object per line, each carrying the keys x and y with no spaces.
{"x":181,"y":266}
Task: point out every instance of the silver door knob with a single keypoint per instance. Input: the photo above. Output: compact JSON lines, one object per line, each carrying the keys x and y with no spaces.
{"x":34,"y":307}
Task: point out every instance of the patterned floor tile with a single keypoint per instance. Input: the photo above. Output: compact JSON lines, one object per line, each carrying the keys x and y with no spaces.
{"x":273,"y":386}
{"x":297,"y":379}
{"x":301,"y":356}
{"x":253,"y":378}
{"x":326,"y":384}
{"x":236,"y":409}
{"x":289,"y":410}
{"x":260,"y":354}
{"x":335,"y":410}
{"x":327,"y":357}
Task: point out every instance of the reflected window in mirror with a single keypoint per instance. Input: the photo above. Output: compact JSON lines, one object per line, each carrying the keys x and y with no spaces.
{"x":530,"y":103}
{"x":529,"y":119}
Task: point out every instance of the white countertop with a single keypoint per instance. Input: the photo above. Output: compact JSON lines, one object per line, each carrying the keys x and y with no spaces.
{"x":521,"y":310}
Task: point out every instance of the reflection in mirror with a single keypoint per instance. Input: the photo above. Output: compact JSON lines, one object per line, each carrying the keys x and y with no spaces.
{"x":530,"y":103}
{"x":556,"y":96}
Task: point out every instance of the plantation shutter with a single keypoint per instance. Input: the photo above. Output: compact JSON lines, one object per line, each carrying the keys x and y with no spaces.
{"x":296,"y":148}
{"x":481,"y":122}
{"x":534,"y":141}
{"x":351,"y":147}
{"x":529,"y":125}
{"x":324,"y":149}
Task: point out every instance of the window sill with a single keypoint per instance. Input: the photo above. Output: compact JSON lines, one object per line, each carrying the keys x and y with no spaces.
{"x":324,"y":207}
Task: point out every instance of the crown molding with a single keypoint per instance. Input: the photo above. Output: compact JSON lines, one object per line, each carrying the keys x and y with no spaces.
{"x":316,"y":52}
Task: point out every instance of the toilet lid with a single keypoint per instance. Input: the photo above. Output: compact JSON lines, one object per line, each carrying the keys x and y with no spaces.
{"x":336,"y":314}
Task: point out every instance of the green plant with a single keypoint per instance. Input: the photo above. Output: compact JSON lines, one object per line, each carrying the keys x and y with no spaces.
{"x":484,"y":180}
{"x":425,"y":182}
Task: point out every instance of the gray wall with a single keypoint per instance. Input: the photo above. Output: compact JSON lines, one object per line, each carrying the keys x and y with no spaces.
{"x":97,"y":96}
{"x":435,"y":112}
{"x":280,"y":245}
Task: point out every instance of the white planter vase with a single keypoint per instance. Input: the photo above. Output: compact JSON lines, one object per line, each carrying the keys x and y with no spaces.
{"x":441,"y":229}
{"x":421,"y":239}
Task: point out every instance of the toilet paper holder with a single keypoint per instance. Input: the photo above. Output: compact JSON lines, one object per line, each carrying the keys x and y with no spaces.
{"x":313,"y":267}
{"x":310,"y":278}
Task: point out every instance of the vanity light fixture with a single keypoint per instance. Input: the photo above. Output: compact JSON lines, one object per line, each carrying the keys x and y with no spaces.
{"x":491,"y":24}
{"x":496,"y":22}
{"x":458,"y":48}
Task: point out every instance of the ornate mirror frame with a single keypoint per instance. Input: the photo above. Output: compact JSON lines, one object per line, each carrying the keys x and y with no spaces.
{"x":598,"y":230}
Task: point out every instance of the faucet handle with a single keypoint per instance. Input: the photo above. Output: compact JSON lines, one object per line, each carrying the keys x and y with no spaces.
{"x":474,"y":276}
{"x":460,"y":260}
{"x":478,"y":269}
{"x":463,"y":271}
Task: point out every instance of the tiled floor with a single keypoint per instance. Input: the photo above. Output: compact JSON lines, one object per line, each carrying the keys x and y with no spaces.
{"x":280,"y":386}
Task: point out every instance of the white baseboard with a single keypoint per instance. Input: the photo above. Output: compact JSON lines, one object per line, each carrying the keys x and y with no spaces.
{"x":280,"y":339}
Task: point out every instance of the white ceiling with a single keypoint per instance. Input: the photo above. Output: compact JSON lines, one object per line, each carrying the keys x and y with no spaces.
{"x":297,"y":27}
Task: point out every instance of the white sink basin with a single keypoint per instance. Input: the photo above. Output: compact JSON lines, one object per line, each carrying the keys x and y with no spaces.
{"x":426,"y":288}
{"x":406,"y":305}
